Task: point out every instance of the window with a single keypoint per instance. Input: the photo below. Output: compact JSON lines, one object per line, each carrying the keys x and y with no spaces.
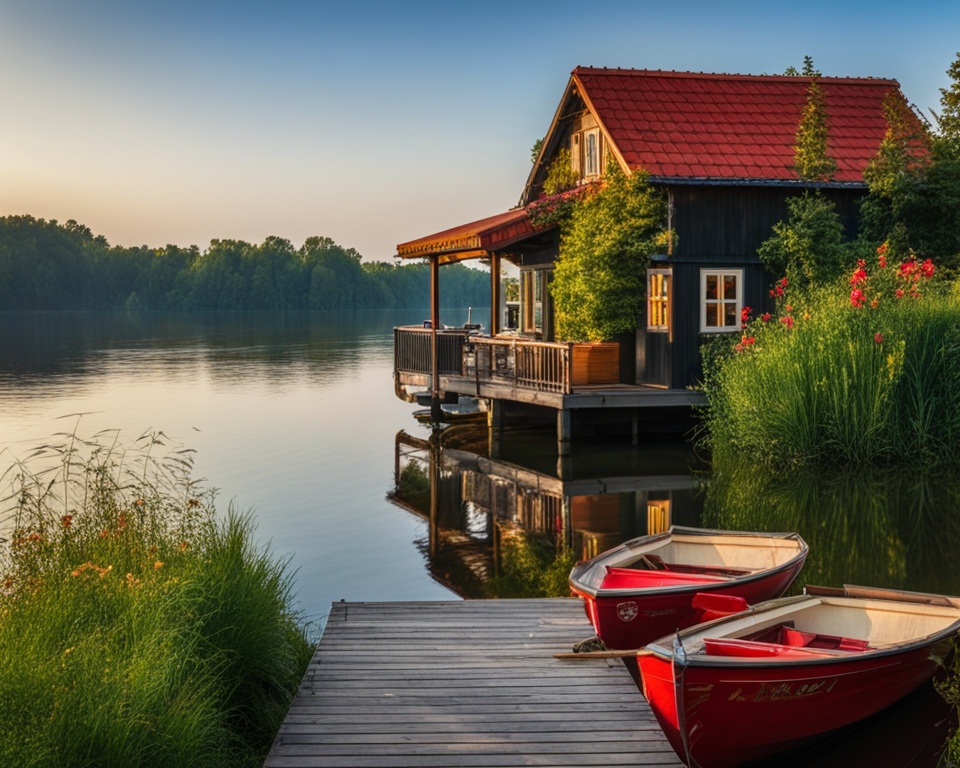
{"x":658,"y":300}
{"x":721,"y":299}
{"x":533,"y":290}
{"x":586,"y":158}
{"x":591,"y":153}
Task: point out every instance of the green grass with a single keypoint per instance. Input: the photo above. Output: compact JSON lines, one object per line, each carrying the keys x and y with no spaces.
{"x":844,"y":386}
{"x":138,"y":627}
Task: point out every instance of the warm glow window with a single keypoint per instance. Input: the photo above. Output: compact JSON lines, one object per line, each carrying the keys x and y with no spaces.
{"x":534,"y":290}
{"x":721,"y":299}
{"x":658,"y":300}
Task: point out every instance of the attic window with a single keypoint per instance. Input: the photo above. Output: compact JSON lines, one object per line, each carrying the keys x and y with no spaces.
{"x":721,"y":299}
{"x":585,"y":154}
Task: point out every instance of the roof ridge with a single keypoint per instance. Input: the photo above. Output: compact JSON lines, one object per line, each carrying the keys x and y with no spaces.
{"x":578,"y":70}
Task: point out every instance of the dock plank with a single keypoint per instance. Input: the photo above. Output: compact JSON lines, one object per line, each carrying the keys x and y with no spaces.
{"x":465,"y":683}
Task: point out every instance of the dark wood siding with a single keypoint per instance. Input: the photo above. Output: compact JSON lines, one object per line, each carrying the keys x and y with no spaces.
{"x":720,"y":223}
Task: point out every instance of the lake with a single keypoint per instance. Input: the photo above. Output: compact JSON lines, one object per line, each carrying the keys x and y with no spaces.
{"x":294,"y":417}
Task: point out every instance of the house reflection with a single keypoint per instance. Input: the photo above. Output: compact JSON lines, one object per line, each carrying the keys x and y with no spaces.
{"x":498,"y":528}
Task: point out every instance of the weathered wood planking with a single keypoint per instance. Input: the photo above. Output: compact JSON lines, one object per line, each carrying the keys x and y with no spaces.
{"x":471,"y":683}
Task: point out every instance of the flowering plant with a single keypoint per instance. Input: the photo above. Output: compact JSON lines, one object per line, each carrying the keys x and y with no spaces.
{"x":552,"y":209}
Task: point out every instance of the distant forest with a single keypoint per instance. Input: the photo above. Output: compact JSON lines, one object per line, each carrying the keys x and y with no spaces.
{"x":51,"y":266}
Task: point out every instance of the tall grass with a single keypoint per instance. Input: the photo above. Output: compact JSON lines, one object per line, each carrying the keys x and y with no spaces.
{"x":844,"y":385}
{"x":137,"y":627}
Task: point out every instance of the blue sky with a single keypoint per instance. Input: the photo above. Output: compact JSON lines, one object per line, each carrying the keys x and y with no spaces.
{"x":371,"y":123}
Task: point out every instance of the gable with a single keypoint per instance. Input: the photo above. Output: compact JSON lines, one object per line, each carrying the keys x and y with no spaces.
{"x":692,"y":127}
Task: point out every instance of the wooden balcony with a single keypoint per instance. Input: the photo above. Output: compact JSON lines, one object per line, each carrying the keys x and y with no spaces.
{"x":559,"y":375}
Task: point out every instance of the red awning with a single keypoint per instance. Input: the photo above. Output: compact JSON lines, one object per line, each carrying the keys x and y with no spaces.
{"x":471,"y":241}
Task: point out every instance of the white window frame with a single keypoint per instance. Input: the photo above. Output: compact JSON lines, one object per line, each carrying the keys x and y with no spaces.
{"x":591,"y":161}
{"x":721,"y":299}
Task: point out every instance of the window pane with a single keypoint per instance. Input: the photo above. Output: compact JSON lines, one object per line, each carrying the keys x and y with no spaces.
{"x":712,"y":316}
{"x":730,"y":287}
{"x":729,"y":314}
{"x":711,"y":293}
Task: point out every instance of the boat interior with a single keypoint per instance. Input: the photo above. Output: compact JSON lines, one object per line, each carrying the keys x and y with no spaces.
{"x":823,"y":625}
{"x":682,"y":551}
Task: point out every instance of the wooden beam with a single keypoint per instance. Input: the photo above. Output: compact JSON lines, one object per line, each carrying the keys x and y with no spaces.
{"x":494,"y":294}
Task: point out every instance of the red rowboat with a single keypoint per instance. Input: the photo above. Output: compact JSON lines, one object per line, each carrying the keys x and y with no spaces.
{"x":750,"y":685}
{"x":644,"y":588}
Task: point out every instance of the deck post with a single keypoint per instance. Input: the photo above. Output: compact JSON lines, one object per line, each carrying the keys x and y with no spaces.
{"x":564,"y":418}
{"x":495,"y":427}
{"x":436,"y":414}
{"x":494,"y":293}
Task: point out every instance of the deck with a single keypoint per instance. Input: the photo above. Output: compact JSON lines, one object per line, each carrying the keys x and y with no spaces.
{"x":471,"y":683}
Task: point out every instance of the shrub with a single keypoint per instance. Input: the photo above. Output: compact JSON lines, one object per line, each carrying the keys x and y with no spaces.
{"x":138,"y":627}
{"x":864,"y":371}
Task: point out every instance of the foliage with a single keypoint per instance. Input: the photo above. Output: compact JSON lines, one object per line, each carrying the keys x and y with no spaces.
{"x":948,"y":686}
{"x":533,"y":565}
{"x":812,"y":161}
{"x":808,"y":246}
{"x":556,"y":209}
{"x":863,"y":371}
{"x":914,"y":184}
{"x":46,"y":265}
{"x":138,"y":627}
{"x":560,"y":175}
{"x":808,"y":69}
{"x":599,"y":281}
{"x":948,"y":120}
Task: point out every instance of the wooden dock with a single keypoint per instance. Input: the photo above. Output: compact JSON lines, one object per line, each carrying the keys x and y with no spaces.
{"x":471,"y":683}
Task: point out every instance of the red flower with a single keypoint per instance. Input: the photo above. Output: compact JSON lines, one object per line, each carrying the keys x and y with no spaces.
{"x":66,"y":521}
{"x":787,"y":320}
{"x":878,"y":337}
{"x":765,"y":317}
{"x":857,"y":298}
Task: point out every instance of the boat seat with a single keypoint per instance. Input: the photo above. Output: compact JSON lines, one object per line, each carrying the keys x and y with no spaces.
{"x":657,"y":563}
{"x":632,"y":578}
{"x":730,"y":646}
{"x":793,"y":644}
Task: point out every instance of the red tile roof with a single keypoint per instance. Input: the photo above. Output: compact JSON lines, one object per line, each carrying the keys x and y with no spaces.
{"x":730,"y":127}
{"x":473,"y":239}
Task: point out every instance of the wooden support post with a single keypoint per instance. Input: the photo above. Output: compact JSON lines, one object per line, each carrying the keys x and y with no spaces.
{"x":436,"y":414}
{"x":564,"y":463}
{"x":495,"y":427}
{"x":495,"y":294}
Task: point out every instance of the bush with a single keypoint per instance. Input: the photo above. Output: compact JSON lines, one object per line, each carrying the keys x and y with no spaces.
{"x":138,"y":627}
{"x":866,"y":371}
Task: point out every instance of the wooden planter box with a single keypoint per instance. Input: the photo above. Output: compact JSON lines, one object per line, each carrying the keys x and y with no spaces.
{"x":597,"y":363}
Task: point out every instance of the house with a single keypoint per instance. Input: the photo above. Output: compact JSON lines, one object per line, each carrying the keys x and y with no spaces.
{"x":722,"y":149}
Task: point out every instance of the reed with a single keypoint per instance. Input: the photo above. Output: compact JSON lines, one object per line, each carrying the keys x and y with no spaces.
{"x":137,"y":627}
{"x":841,"y":384}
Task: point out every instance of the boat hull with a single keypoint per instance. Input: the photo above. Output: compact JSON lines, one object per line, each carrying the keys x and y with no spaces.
{"x":717,"y":718}
{"x":631,"y":618}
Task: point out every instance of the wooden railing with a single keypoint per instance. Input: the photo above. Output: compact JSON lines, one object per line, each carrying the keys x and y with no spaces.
{"x":413,"y":350}
{"x":516,"y":362}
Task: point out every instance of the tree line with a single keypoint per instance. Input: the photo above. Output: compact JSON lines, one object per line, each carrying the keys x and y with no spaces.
{"x":45,"y":265}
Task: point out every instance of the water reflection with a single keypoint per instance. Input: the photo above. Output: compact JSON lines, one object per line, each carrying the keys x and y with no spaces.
{"x":499,"y":528}
{"x":886,"y":529}
{"x":509,"y":526}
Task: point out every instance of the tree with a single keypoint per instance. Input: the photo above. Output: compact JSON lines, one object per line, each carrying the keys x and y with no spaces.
{"x":599,"y":281}
{"x":812,"y":161}
{"x":807,"y":247}
{"x":948,"y":120}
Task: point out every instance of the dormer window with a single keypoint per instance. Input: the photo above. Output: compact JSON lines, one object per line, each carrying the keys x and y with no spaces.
{"x":591,"y":153}
{"x":585,"y":154}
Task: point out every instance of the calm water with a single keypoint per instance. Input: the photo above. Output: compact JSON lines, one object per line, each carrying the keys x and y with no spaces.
{"x":294,"y":417}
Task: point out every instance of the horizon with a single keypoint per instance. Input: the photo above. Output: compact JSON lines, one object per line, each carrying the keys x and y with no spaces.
{"x":374,"y":124}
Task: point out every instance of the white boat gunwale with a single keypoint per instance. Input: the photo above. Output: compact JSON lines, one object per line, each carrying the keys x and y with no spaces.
{"x":694,"y":649}
{"x":629,"y":552}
